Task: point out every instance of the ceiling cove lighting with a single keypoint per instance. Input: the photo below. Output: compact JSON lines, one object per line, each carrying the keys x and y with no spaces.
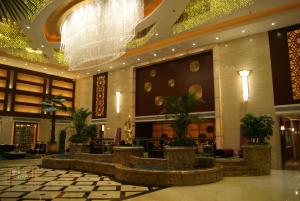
{"x":245,"y":86}
{"x":118,"y":99}
{"x":97,"y":32}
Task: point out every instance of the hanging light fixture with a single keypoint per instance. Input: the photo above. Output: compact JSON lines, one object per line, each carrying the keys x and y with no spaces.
{"x":97,"y":32}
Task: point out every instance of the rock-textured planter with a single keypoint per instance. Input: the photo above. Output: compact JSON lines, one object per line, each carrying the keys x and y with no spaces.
{"x":122,"y":155}
{"x":77,"y":148}
{"x":181,"y":158}
{"x":258,"y":157}
{"x":52,"y":148}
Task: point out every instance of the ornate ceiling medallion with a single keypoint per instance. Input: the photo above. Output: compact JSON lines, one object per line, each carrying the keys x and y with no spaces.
{"x":159,"y":100}
{"x":153,"y":73}
{"x":171,"y":83}
{"x":196,"y":89}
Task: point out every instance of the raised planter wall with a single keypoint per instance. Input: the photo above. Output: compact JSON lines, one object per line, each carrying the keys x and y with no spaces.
{"x":181,"y":158}
{"x":76,"y":148}
{"x":122,"y":155}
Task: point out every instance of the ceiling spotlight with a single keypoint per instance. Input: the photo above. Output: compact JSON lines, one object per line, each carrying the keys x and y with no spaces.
{"x":62,"y":72}
{"x":42,"y":46}
{"x":217,"y":38}
{"x":77,"y":76}
{"x":4,"y":59}
{"x":156,"y":34}
{"x":98,"y":70}
{"x":226,"y":45}
{"x":28,"y":27}
{"x":124,"y":63}
{"x":26,"y":64}
{"x":173,"y":49}
{"x":87,"y":73}
{"x":273,"y":23}
{"x":138,"y":59}
{"x":110,"y":67}
{"x":243,"y":31}
{"x":45,"y":68}
{"x":194,"y":44}
{"x":155,"y":54}
{"x":201,"y":49}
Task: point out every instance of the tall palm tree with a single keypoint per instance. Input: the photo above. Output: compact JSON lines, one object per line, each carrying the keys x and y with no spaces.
{"x":16,"y":9}
{"x":52,"y":105}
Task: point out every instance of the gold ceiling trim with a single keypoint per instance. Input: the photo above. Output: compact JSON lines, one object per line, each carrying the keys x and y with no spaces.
{"x":36,"y":9}
{"x":200,"y":11}
{"x":209,"y":29}
{"x":55,"y":19}
{"x":142,"y":37}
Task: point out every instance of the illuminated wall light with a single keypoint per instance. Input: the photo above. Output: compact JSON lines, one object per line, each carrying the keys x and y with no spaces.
{"x":245,"y":86}
{"x":118,"y":99}
{"x":155,"y":54}
{"x":103,"y":128}
{"x":292,"y":129}
{"x":282,"y":128}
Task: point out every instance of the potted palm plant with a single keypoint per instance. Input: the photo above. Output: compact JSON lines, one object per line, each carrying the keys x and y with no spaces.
{"x":83,"y":131}
{"x":257,"y":152}
{"x":52,"y":105}
{"x":182,"y":150}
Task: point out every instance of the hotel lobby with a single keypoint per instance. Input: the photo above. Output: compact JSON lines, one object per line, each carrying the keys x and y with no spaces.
{"x":150,"y":100}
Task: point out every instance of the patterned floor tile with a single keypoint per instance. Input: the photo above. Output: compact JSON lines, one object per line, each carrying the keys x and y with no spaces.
{"x":34,"y":183}
{"x":107,"y":188}
{"x":65,"y":179}
{"x":76,"y":188}
{"x":84,"y":183}
{"x":59,"y":183}
{"x":73,"y":195}
{"x":10,"y":183}
{"x":11,"y":194}
{"x":127,"y":194}
{"x":133,"y":188}
{"x":88,"y":179}
{"x":108,"y":183}
{"x":71,"y":175}
{"x":52,"y":188}
{"x":43,"y":179}
{"x":42,"y":195}
{"x":104,"y":195}
{"x":23,"y":188}
{"x":73,"y":199}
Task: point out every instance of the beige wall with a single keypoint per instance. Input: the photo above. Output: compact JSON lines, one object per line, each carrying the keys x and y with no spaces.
{"x":250,"y":53}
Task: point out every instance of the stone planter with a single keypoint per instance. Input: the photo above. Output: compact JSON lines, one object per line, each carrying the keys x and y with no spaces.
{"x":258,"y":157}
{"x":180,"y":158}
{"x":76,"y":148}
{"x":122,"y":155}
{"x":52,"y":148}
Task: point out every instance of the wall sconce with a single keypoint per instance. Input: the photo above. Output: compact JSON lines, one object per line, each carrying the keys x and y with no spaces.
{"x":282,"y":128}
{"x":293,"y":129}
{"x":245,"y":86}
{"x":118,"y":97}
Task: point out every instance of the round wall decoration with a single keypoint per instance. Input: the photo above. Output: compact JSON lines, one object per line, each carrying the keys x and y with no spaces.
{"x":171,"y":83}
{"x":152,"y":73}
{"x":147,"y":86}
{"x":159,"y":100}
{"x":196,"y":89}
{"x":194,"y":66}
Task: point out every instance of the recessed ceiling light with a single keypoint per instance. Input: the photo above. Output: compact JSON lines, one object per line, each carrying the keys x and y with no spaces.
{"x":194,"y":44}
{"x":124,"y":63}
{"x":45,"y":68}
{"x":26,"y":64}
{"x":201,"y":49}
{"x":4,"y":59}
{"x":42,"y":46}
{"x":87,"y":73}
{"x":77,"y":75}
{"x":98,"y":70}
{"x":62,"y":72}
{"x":110,"y":67}
{"x":243,"y":31}
{"x":173,"y":49}
{"x":28,"y":27}
{"x":155,"y":54}
{"x":226,"y":45}
{"x":273,"y":23}
{"x":138,"y":59}
{"x":217,"y":38}
{"x":156,"y":34}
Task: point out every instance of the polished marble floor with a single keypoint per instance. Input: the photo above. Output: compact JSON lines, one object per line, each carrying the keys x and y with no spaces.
{"x":24,"y":180}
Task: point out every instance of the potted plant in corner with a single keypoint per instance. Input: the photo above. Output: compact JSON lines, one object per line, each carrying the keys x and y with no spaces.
{"x":52,"y":105}
{"x":83,"y":131}
{"x":257,"y":152}
{"x":181,"y":153}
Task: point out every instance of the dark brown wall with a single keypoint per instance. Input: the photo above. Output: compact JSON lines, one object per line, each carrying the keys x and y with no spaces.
{"x":282,"y":85}
{"x":179,"y":71}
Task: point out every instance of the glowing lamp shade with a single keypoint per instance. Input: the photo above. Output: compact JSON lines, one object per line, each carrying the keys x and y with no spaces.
{"x":282,"y":128}
{"x":245,"y":86}
{"x":118,"y":99}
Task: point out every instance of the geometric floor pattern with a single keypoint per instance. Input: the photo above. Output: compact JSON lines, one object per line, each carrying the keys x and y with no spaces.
{"x":35,"y":183}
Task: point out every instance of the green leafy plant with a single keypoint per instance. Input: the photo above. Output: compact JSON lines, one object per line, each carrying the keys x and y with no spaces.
{"x":52,"y":105}
{"x":179,"y":108}
{"x":257,"y":129}
{"x":83,"y":131}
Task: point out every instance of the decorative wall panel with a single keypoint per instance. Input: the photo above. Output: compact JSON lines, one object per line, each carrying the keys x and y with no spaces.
{"x":285,"y":57}
{"x":99,"y":95}
{"x":172,"y":78}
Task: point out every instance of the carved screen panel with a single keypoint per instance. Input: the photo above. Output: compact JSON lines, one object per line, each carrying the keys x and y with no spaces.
{"x":99,"y":95}
{"x":294,"y":55}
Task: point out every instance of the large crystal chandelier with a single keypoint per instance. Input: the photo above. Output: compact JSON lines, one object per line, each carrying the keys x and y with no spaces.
{"x":97,"y":32}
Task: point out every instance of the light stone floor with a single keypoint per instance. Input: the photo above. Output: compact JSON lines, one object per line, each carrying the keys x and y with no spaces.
{"x":29,"y":182}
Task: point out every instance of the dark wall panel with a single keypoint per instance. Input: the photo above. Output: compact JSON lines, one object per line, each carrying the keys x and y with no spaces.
{"x":179,"y":70}
{"x":279,"y":50}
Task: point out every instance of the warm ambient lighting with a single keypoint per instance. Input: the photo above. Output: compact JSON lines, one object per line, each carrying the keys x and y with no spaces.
{"x":292,"y":129}
{"x":244,"y":75}
{"x":99,"y":31}
{"x":37,"y":51}
{"x":282,"y":128}
{"x":118,"y":97}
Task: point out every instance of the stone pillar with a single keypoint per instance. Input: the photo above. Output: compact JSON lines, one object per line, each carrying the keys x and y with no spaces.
{"x":181,"y":158}
{"x":122,"y":155}
{"x":258,"y":157}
